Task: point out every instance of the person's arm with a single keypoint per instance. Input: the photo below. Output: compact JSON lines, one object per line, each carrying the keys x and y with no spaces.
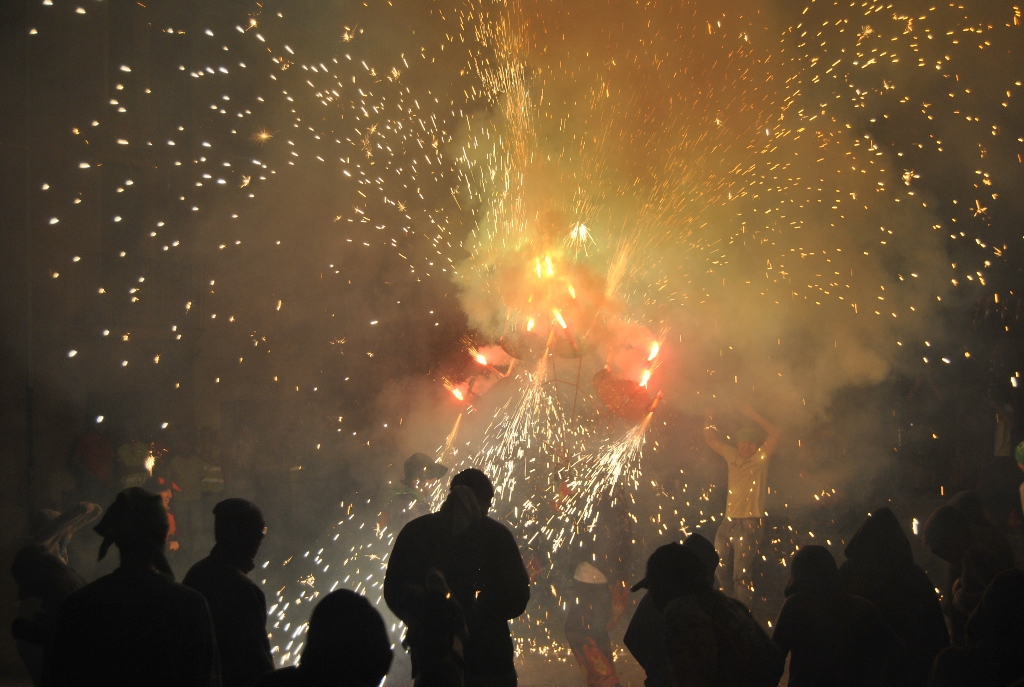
{"x":782,"y":635}
{"x":643,"y":636}
{"x":508,"y":590}
{"x":711,"y":437}
{"x":773,"y":432}
{"x":399,"y":573}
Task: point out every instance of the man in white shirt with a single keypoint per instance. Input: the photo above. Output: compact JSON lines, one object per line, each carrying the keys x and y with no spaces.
{"x":739,"y":534}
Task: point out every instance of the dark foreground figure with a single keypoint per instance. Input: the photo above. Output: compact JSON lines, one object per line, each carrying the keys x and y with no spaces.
{"x":346,"y":646}
{"x":480,"y":562}
{"x":644,"y":636}
{"x":44,"y":580}
{"x":135,"y":626}
{"x":994,"y":652}
{"x":709,"y":640}
{"x":880,"y":567}
{"x":237,"y":604}
{"x":834,"y":638}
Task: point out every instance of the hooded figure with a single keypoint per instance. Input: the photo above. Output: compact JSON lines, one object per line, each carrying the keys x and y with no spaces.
{"x":644,"y":634}
{"x":880,"y":567}
{"x":482,"y":566}
{"x":959,"y":534}
{"x":237,"y":604}
{"x":995,"y":634}
{"x":134,"y":626}
{"x":834,"y":638}
{"x":346,"y":646}
{"x":45,"y":580}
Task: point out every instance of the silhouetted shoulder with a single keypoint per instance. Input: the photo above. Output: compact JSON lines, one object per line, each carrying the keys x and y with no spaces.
{"x":283,"y":677}
{"x":119,"y":587}
{"x":496,"y":529}
{"x":209,"y":576}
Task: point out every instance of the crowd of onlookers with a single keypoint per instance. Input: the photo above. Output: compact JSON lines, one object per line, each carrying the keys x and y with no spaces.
{"x":455,"y":577}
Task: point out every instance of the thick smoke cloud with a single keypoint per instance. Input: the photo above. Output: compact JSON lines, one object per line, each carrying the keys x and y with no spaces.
{"x":738,"y":197}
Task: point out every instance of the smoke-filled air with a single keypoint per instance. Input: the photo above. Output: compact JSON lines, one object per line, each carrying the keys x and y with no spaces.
{"x":560,"y":241}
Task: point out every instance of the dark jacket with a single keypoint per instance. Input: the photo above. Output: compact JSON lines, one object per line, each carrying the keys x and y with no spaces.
{"x":644,"y":640}
{"x":239,"y":611}
{"x":880,"y":568}
{"x":133,"y":627}
{"x":742,"y":654}
{"x":45,"y":579}
{"x":995,"y":634}
{"x":835,"y":639}
{"x":483,"y":569}
{"x":43,"y":575}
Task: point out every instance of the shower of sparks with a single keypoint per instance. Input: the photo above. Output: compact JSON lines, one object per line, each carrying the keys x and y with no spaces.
{"x":812,"y":169}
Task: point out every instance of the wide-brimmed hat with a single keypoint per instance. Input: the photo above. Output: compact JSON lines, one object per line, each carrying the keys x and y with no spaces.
{"x":422,"y":466}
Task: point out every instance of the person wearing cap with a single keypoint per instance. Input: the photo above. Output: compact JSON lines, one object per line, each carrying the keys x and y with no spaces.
{"x":643,"y":637}
{"x":482,"y":566}
{"x":135,"y":626}
{"x":707,"y":638}
{"x":407,"y":500}
{"x":739,"y":534}
{"x":346,"y":646}
{"x":45,"y":579}
{"x":237,"y":604}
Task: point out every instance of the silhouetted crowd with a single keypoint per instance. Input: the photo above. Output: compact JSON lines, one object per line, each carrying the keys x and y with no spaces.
{"x":456,"y":578}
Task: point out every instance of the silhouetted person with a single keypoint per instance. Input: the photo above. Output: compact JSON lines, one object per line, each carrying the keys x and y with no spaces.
{"x":834,"y":638}
{"x":237,"y":604}
{"x":346,"y":646}
{"x":45,"y":580}
{"x":481,"y":564}
{"x":644,"y":635}
{"x":880,"y":567}
{"x":995,"y":635}
{"x":135,"y":626}
{"x":708,"y":638}
{"x":959,"y":534}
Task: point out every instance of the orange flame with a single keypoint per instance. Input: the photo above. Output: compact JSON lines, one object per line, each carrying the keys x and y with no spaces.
{"x":558,"y":316}
{"x":529,"y":325}
{"x":572,"y":292}
{"x":458,"y":394}
{"x":646,"y":378}
{"x":481,"y":359}
{"x":655,"y":349}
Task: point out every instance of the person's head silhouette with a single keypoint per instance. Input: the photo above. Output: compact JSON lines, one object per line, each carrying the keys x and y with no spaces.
{"x":346,"y":643}
{"x":239,"y":528}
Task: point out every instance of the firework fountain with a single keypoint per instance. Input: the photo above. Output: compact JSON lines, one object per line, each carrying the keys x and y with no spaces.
{"x":644,"y":209}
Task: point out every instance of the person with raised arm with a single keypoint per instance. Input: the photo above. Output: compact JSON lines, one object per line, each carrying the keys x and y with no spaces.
{"x":739,"y":535}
